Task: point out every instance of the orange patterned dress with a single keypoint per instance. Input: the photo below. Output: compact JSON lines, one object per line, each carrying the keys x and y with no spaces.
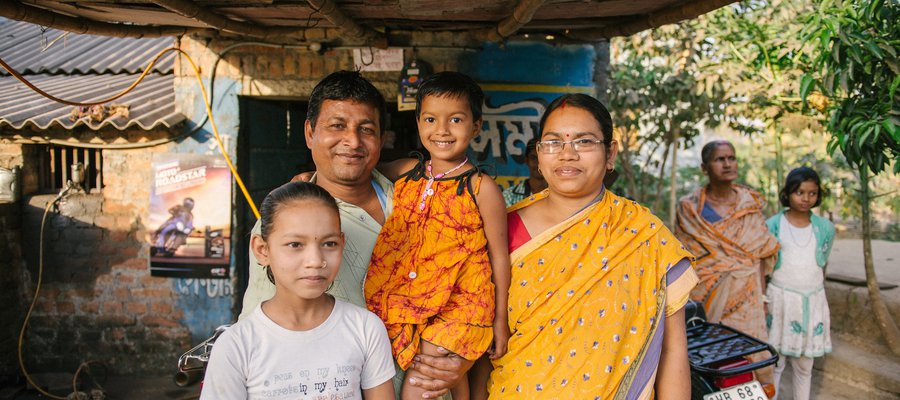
{"x":430,"y":274}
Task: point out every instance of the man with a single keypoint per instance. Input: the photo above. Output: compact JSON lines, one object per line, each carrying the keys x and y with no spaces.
{"x":180,"y":222}
{"x":343,"y":130}
{"x":534,"y":183}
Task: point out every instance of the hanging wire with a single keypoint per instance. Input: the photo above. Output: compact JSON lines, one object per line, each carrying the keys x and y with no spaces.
{"x":371,"y":57}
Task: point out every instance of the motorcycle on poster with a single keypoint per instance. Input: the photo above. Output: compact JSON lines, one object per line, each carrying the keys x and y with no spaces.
{"x":189,"y":226}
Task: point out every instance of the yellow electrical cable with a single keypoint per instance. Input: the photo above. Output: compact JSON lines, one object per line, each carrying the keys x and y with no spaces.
{"x":212,"y":121}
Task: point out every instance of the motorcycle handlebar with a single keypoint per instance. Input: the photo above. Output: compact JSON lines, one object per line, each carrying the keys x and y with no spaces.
{"x":720,"y":373}
{"x":189,"y":377}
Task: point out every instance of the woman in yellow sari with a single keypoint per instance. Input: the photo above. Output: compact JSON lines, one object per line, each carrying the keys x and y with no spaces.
{"x":598,"y":283}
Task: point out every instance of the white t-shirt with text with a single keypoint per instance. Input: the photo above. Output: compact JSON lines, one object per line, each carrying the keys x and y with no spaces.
{"x":258,"y":359}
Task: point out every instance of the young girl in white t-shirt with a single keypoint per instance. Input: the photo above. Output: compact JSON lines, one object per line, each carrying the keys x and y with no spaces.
{"x":797,"y":313}
{"x":302,"y":343}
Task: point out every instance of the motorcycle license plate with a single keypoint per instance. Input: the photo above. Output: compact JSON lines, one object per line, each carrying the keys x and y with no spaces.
{"x":745,"y":391}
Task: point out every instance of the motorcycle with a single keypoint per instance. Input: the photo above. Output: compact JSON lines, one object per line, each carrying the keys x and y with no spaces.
{"x":171,"y":238}
{"x":720,"y":369}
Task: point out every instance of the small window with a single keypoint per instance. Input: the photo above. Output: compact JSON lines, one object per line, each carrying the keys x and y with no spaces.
{"x":57,"y":163}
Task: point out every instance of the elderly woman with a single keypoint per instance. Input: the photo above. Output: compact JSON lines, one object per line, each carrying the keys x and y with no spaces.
{"x":722,"y":224}
{"x":598,"y":283}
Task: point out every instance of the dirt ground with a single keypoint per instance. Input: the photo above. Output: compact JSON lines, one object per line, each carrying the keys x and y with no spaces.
{"x":847,"y":259}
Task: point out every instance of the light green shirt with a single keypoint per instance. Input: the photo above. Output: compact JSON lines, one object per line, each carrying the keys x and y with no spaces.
{"x":360,"y":231}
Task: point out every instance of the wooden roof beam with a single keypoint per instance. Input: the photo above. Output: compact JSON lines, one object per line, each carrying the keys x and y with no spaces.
{"x":669,"y":15}
{"x":347,"y":25}
{"x":189,"y":9}
{"x":35,"y":15}
{"x":522,"y":14}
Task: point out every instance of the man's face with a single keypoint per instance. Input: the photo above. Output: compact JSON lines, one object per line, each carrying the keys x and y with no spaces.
{"x":346,"y":142}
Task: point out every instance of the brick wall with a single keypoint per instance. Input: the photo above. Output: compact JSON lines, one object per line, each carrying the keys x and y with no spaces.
{"x":98,"y":300}
{"x":265,"y":71}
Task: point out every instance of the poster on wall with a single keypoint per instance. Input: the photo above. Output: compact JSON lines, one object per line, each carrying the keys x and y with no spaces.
{"x":189,"y":226}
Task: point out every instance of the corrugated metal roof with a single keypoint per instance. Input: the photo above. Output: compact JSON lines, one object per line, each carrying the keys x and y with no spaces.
{"x":21,"y":47}
{"x":151,"y":103}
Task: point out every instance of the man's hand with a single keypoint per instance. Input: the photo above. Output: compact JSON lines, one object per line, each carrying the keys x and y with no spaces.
{"x":443,"y":371}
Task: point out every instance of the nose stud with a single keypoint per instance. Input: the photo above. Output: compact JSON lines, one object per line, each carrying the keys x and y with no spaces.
{"x":324,"y":264}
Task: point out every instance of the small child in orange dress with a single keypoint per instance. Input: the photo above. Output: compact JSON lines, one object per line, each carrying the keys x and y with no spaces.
{"x":430,"y":278}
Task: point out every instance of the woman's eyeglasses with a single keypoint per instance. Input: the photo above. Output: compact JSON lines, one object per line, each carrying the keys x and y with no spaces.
{"x":579,"y":145}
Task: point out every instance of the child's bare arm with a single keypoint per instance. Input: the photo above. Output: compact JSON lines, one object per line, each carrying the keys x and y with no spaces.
{"x":393,"y":169}
{"x":384,"y":391}
{"x":493,"y":212}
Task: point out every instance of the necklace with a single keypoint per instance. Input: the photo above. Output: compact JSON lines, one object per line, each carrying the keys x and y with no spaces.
{"x":794,"y":238}
{"x":428,"y":190}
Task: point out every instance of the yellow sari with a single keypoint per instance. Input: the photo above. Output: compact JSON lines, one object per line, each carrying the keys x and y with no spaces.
{"x":588,"y":302}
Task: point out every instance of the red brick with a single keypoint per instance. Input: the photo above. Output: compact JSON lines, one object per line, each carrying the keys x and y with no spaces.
{"x":123,"y":222}
{"x":81,"y":292}
{"x":116,"y":235}
{"x":133,"y":264}
{"x":148,"y":280}
{"x":122,"y":293}
{"x":115,"y":207}
{"x":136,"y":308}
{"x":114,"y":320}
{"x":65,"y":307}
{"x":103,"y":283}
{"x":108,"y":247}
{"x":113,"y":307}
{"x":123,"y":279}
{"x":129,"y":251}
{"x":104,"y":221}
{"x":159,"y":293}
{"x":153,"y":320}
{"x":331,"y":63}
{"x":89,"y":307}
{"x":45,"y":306}
{"x":49,"y":292}
{"x":161,"y":309}
{"x":306,"y":66}
{"x":318,"y":68}
{"x":290,"y":65}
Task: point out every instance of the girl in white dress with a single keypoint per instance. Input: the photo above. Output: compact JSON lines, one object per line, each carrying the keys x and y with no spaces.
{"x":797,"y":311}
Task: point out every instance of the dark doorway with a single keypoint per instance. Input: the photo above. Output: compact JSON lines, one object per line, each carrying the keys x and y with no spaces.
{"x":272,"y":149}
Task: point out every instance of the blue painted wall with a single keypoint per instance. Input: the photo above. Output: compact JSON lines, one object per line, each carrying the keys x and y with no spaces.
{"x":207,"y":303}
{"x":519,"y":80}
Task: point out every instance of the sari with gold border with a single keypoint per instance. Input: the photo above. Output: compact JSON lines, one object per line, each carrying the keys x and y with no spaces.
{"x":588,"y":302}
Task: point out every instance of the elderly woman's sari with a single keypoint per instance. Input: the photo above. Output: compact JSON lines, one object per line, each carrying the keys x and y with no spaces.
{"x":588,"y":302}
{"x":729,"y":252}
